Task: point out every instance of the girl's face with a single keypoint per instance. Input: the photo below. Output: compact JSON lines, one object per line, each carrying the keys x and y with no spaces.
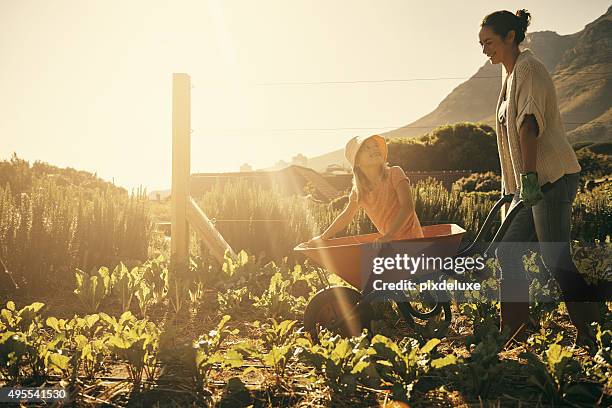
{"x":494,"y":46}
{"x":369,"y":154}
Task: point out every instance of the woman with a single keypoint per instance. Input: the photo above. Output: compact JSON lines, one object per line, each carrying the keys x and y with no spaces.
{"x":534,"y":152}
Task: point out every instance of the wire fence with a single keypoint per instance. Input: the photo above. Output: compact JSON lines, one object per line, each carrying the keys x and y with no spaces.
{"x":384,"y":80}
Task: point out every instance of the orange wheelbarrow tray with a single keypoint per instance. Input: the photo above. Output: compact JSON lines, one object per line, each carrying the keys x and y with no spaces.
{"x":346,"y":310}
{"x":343,"y":256}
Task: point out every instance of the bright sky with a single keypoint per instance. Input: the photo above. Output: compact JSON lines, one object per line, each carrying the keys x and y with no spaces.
{"x":87,"y":84}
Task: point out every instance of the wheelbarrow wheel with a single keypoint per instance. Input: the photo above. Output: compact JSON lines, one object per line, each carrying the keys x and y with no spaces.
{"x":440,"y":307}
{"x":334,"y":309}
{"x":429,"y":307}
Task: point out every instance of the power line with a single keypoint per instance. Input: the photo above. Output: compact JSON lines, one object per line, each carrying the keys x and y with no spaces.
{"x":373,"y":81}
{"x":308,"y":129}
{"x":585,"y":123}
{"x":214,"y":220}
{"x":356,"y":128}
{"x":396,"y":80}
{"x":379,"y":81}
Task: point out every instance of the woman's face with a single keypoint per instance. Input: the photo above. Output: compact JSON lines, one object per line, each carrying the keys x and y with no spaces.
{"x":369,"y":154}
{"x":494,"y":46}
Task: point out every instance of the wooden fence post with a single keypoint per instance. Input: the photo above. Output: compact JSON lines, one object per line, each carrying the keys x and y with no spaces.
{"x":181,"y":168}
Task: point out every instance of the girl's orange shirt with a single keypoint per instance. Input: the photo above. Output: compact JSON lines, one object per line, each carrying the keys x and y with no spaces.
{"x":382,"y":206}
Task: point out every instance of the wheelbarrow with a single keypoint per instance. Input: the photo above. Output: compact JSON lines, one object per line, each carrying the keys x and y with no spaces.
{"x":347,"y":309}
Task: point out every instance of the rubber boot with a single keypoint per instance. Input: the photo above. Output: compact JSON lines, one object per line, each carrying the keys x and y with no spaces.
{"x":582,"y":314}
{"x":514,"y":307}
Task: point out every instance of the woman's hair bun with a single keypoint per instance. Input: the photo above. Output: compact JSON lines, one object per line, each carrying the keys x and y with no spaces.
{"x":524,"y":18}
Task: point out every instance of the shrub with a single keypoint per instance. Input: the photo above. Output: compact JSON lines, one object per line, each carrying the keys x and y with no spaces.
{"x":593,"y":164}
{"x":482,"y":182}
{"x":48,"y":230}
{"x":462,"y":146}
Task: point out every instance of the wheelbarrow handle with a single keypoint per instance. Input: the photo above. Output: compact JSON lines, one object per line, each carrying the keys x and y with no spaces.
{"x":504,"y":226}
{"x":509,"y":217}
{"x":486,"y":226}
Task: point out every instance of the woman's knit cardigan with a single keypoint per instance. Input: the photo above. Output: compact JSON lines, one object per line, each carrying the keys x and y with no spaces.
{"x":532,"y":91}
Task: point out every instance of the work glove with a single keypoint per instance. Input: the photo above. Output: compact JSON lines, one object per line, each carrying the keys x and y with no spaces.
{"x":530,"y":189}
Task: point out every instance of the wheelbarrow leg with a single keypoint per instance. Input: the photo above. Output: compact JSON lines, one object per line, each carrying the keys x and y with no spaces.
{"x":406,"y":310}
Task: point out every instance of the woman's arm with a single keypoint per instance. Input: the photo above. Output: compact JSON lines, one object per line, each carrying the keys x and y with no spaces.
{"x":530,"y":191}
{"x":404,"y":195}
{"x":528,"y":133}
{"x":342,"y":220}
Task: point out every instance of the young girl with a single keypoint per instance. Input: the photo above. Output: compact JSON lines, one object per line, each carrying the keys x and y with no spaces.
{"x":383,"y":192}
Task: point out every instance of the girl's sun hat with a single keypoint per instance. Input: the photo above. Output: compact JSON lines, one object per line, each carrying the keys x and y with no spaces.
{"x":353,"y":145}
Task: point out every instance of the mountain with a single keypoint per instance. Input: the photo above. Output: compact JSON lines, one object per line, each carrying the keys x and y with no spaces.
{"x":585,"y":89}
{"x":596,"y":130}
{"x":581,"y":66}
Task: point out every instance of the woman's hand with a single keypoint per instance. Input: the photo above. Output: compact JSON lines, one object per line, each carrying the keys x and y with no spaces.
{"x":530,"y":189}
{"x":318,"y":238}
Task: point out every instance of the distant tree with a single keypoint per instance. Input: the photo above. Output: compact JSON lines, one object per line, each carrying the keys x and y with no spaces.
{"x":246,"y":167}
{"x":488,"y":181}
{"x":281,"y":164}
{"x":309,"y":189}
{"x":20,"y":175}
{"x":462,"y":146}
{"x":593,"y":164}
{"x":299,"y":160}
{"x":16,"y":173}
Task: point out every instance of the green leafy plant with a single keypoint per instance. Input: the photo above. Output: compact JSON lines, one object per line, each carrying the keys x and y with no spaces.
{"x":93,"y":288}
{"x":557,"y":375}
{"x":542,"y":339}
{"x":136,"y":342}
{"x":277,"y":302}
{"x":594,"y":261}
{"x":155,"y":278}
{"x":21,"y":343}
{"x":92,"y":356}
{"x":126,"y":282}
{"x":340,"y":361}
{"x":145,"y":296}
{"x":483,"y":368}
{"x":84,"y":337}
{"x":233,"y":267}
{"x":281,"y":339}
{"x":233,"y":299}
{"x":178,"y":286}
{"x":600,"y":366}
{"x":244,"y":270}
{"x":400,"y":365}
{"x":477,"y":305}
{"x":207,"y":351}
{"x":196,"y":292}
{"x":64,"y":365}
